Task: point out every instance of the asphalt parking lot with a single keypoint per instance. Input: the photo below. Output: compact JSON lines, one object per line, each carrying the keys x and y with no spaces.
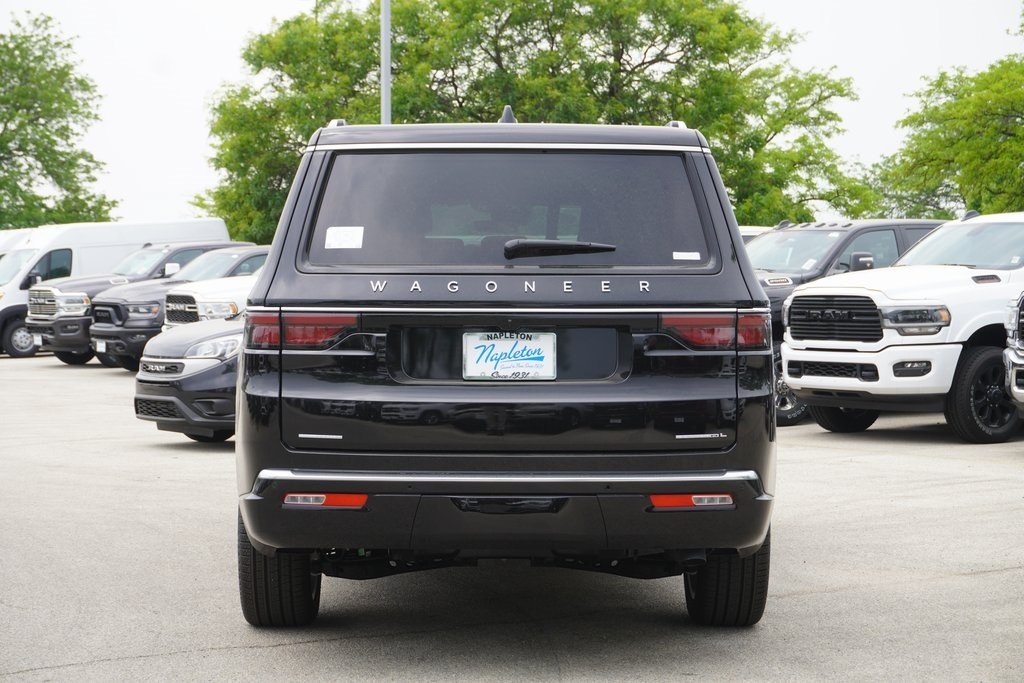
{"x":898,"y":554}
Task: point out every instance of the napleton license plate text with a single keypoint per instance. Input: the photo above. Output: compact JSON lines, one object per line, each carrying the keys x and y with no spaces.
{"x":508,"y":355}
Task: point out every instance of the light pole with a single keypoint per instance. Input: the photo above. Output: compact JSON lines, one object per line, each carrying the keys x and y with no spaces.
{"x":385,"y":62}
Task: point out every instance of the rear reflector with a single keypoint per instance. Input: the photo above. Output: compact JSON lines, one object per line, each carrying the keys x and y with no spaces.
{"x":327,"y":500}
{"x":688,"y":500}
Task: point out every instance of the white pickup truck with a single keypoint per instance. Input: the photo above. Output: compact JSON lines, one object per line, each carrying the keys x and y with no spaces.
{"x":207,"y":300}
{"x":924,"y":335}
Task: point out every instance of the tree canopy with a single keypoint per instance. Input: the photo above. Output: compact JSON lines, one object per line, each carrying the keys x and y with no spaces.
{"x":705,"y":62}
{"x":964,"y":148}
{"x":45,"y":105}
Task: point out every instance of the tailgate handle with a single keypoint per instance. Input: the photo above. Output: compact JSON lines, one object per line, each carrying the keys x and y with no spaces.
{"x":494,"y":505}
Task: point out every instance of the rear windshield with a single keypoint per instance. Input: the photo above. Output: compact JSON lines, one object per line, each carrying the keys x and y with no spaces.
{"x":462,"y":208}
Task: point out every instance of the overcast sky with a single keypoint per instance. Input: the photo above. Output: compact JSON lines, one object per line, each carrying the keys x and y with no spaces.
{"x":160,"y":65}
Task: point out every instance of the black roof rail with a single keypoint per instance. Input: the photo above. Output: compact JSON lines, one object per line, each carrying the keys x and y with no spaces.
{"x":675,"y":124}
{"x":784,"y":224}
{"x":337,"y":122}
{"x":507,"y":116}
{"x":970,"y":214}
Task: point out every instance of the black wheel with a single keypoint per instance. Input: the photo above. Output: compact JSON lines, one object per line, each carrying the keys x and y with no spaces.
{"x":978,"y":409}
{"x":729,"y":590}
{"x":72,"y":358}
{"x":129,"y":363}
{"x":844,"y":420}
{"x":278,"y":590}
{"x":107,"y":360}
{"x":789,"y":410}
{"x":218,"y":436}
{"x":17,"y":340}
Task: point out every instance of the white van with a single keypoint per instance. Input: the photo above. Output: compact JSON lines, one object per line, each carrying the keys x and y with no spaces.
{"x":9,"y":238}
{"x":76,"y":249}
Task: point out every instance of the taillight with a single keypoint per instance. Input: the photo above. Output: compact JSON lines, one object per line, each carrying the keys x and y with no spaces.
{"x":299,"y":331}
{"x":720,"y":331}
{"x":263,"y":331}
{"x":311,"y":331}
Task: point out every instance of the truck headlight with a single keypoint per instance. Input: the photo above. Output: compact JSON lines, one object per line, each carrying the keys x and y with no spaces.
{"x":72,"y":304}
{"x":220,"y":347}
{"x":915,"y":320}
{"x":147,"y":310}
{"x":217,"y":309}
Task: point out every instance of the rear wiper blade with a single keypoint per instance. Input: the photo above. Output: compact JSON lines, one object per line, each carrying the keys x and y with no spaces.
{"x":522,"y":248}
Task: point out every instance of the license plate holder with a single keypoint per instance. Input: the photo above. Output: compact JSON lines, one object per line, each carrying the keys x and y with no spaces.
{"x":508,"y":356}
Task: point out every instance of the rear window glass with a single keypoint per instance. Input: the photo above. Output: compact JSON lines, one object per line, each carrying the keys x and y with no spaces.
{"x":461,"y":208}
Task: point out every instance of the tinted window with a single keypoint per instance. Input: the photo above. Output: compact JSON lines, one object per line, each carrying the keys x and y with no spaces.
{"x":461,"y":208}
{"x":186,"y":256}
{"x":912,"y":235}
{"x":249,"y":265}
{"x":881,"y":244}
{"x":57,"y":263}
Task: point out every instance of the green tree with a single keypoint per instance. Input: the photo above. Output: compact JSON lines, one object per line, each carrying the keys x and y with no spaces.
{"x":964,"y":147}
{"x":45,"y":105}
{"x":705,"y":62}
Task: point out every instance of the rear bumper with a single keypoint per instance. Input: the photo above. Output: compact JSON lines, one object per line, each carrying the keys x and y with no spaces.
{"x":432,"y":513}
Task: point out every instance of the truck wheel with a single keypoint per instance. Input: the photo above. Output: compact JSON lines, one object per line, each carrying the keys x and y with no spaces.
{"x":789,"y":410}
{"x":72,"y":358}
{"x":218,"y":436}
{"x":107,"y":360}
{"x":17,"y":340}
{"x":278,"y":590}
{"x":978,"y":409}
{"x":729,"y":590}
{"x":844,"y":420}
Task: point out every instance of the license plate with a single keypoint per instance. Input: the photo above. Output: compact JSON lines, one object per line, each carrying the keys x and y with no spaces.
{"x":508,"y":355}
{"x":37,"y":340}
{"x":101,"y":346}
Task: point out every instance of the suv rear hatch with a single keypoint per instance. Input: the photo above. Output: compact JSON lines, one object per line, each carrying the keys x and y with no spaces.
{"x":526,"y":301}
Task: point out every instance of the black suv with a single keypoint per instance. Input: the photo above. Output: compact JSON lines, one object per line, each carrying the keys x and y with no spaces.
{"x":531,"y":341}
{"x":60,"y":312}
{"x":791,"y":255}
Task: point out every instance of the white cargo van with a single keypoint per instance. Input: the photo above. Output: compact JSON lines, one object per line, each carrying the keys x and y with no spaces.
{"x":10,"y":237}
{"x":76,"y":249}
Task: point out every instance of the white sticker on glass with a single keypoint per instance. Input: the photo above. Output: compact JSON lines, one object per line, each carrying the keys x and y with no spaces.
{"x":808,"y":264}
{"x":344,"y":237}
{"x":686,"y":256}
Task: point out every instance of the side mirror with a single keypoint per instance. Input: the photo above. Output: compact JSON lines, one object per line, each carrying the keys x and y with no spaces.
{"x":861,"y":260}
{"x":31,"y":280}
{"x":171,"y":268}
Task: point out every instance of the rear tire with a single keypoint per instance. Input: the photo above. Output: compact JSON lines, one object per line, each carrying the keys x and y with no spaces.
{"x":978,"y":409}
{"x":844,"y":420}
{"x":72,"y":358}
{"x":729,"y":590}
{"x":17,"y":340}
{"x":218,"y":436}
{"x":278,"y":590}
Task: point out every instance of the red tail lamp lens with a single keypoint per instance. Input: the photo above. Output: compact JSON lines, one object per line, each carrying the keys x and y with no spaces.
{"x":316,"y":330}
{"x":263,"y":331}
{"x":717,"y":331}
{"x":702,"y":331}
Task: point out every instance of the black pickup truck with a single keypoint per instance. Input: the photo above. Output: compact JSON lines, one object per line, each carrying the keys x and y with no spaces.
{"x":531,"y":341}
